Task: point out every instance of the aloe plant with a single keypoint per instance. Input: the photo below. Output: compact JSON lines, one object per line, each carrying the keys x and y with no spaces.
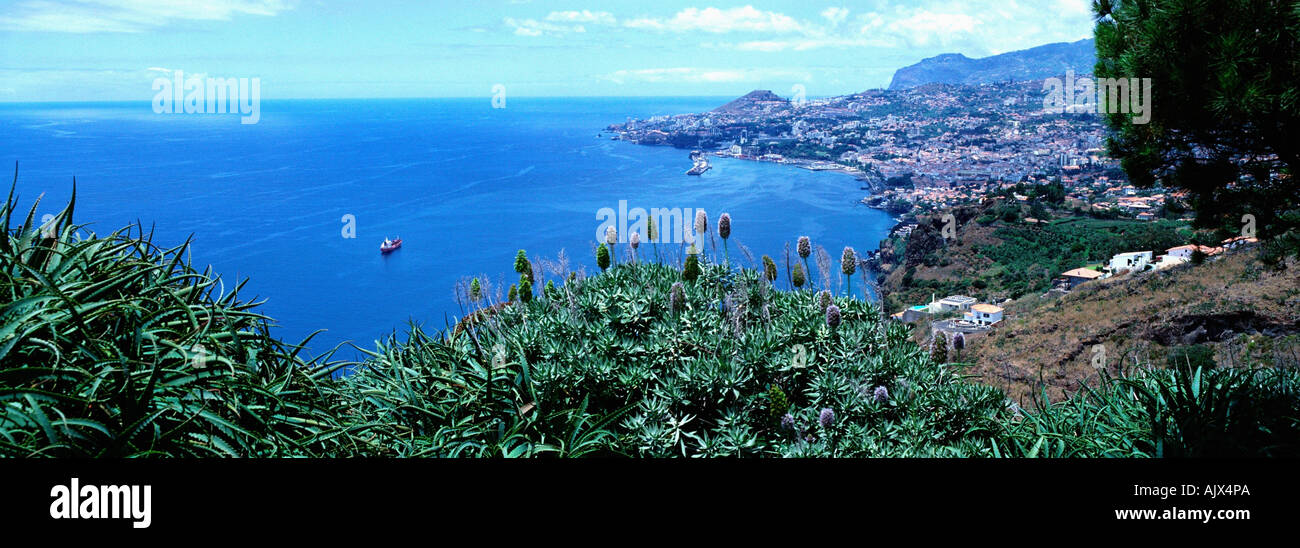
{"x":113,"y":346}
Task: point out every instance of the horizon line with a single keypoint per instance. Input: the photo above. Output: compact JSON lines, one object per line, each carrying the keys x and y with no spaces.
{"x":407,"y":98}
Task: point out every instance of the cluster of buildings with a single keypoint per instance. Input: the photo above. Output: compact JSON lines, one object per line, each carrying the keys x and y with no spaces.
{"x":1098,"y":191}
{"x":1144,"y":261}
{"x":973,"y":312}
{"x":979,"y":316}
{"x":952,"y":141}
{"x":1143,"y":204}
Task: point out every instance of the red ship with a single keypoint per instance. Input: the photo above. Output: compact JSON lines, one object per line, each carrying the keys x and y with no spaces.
{"x":389,"y":245}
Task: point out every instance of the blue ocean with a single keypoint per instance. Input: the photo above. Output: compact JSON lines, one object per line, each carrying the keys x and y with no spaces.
{"x":463,"y":184}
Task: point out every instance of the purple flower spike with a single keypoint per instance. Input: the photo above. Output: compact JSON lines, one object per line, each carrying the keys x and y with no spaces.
{"x":833,"y":316}
{"x":787,"y":422}
{"x":881,"y":394}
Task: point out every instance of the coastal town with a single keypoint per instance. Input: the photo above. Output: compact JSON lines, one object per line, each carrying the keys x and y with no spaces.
{"x":918,"y":149}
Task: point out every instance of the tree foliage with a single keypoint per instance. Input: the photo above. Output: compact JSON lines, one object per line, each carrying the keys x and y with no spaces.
{"x":1225,"y":105}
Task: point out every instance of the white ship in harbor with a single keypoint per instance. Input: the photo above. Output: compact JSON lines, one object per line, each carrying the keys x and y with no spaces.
{"x":700,"y":163}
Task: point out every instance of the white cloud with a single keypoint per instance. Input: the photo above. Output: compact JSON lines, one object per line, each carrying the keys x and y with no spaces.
{"x":533,"y":27}
{"x":584,"y":16}
{"x":977,"y":28}
{"x":806,"y":44}
{"x":87,"y":16}
{"x":974,"y":27}
{"x":697,"y":75}
{"x":763,"y":45}
{"x":835,"y":15}
{"x":922,"y":27}
{"x":718,"y":20}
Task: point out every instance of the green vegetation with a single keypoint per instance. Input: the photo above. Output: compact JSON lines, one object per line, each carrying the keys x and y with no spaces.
{"x":997,"y":259}
{"x":1173,"y":413}
{"x":769,"y":269}
{"x":110,"y":346}
{"x":898,"y":207}
{"x":899,"y":181}
{"x":602,"y":257}
{"x":804,"y":150}
{"x":691,"y":271}
{"x":1028,"y":258}
{"x":525,"y":290}
{"x":1190,"y":358}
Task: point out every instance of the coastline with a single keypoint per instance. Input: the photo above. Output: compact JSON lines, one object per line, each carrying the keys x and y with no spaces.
{"x":802,"y":163}
{"x":869,"y":257}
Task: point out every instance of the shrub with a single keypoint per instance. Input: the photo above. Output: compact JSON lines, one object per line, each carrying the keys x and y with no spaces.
{"x":1168,"y":413}
{"x":769,"y":269}
{"x":691,"y":271}
{"x":525,"y":288}
{"x":602,"y":257}
{"x":115,"y":347}
{"x":522,"y":266}
{"x":778,"y":404}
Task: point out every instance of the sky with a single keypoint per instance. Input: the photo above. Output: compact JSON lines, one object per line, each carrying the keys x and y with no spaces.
{"x":112,"y":50}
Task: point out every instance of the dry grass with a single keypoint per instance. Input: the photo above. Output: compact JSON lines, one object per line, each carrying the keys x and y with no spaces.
{"x":1248,"y":314}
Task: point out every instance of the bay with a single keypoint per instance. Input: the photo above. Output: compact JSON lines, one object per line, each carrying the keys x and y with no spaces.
{"x":465,"y":185}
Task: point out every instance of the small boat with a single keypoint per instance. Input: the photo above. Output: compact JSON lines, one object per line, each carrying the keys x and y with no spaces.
{"x":389,"y":245}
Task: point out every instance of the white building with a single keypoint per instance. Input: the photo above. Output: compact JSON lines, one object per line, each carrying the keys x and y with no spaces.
{"x":1181,"y":252}
{"x":950,"y":303}
{"x":984,"y":314}
{"x":1136,"y":261}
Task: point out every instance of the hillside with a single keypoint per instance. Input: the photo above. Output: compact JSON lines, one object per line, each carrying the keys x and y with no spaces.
{"x":1230,"y":311}
{"x":996,"y":254}
{"x":1233,"y":309}
{"x":1031,"y":64}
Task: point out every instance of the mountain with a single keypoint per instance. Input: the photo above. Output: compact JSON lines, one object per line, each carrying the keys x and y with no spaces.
{"x":1030,"y":64}
{"x":752,"y":100}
